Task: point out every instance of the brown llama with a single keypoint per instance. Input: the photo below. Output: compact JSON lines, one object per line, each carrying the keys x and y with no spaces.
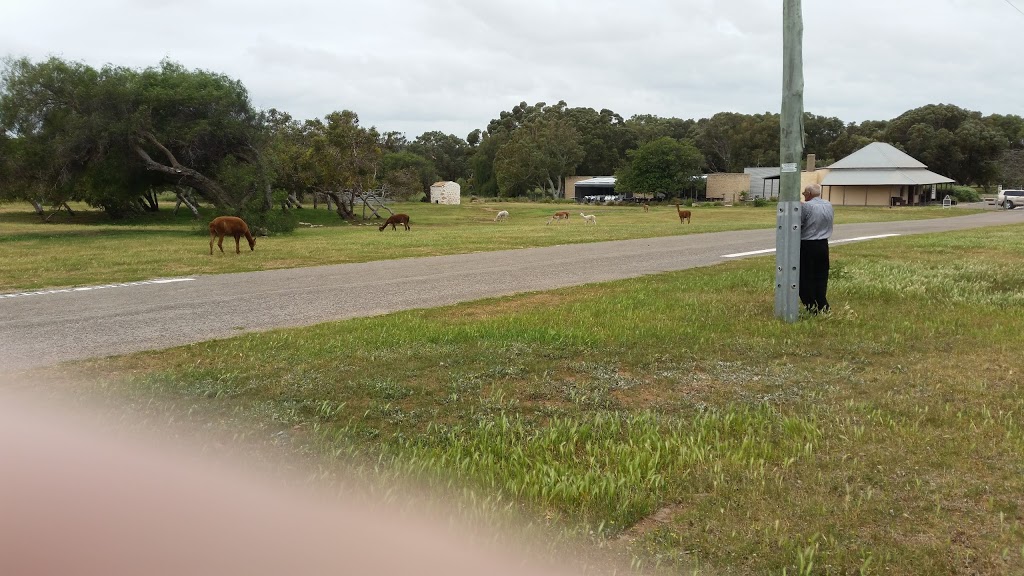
{"x":683,"y":215}
{"x":402,"y":219}
{"x":647,"y":207}
{"x":230,"y":226}
{"x":563,"y":215}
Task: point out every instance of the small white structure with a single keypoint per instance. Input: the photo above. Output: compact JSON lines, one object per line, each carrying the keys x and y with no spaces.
{"x":445,"y":193}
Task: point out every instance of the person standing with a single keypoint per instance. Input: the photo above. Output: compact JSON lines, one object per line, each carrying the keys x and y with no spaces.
{"x":816,"y":217}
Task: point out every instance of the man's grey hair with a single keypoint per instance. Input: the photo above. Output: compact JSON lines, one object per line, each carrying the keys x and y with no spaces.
{"x":813,"y":190}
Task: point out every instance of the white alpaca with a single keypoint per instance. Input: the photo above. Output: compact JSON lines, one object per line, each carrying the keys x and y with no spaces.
{"x":502,"y":216}
{"x":589,"y":219}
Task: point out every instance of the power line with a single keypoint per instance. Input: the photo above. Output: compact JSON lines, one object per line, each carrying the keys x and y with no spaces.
{"x":1014,"y":6}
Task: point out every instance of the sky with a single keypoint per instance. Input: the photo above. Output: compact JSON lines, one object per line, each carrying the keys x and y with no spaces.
{"x":453,"y":65}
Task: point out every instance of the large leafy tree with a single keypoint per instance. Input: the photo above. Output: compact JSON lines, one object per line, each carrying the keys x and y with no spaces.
{"x":731,"y":141}
{"x":950,"y":140}
{"x":109,"y":135}
{"x":447,"y":152}
{"x":604,"y":137}
{"x":407,"y":174}
{"x":539,"y":154}
{"x":664,"y":166}
{"x":646,"y":128}
{"x":343,"y":159}
{"x":487,"y":144}
{"x":819,"y":133}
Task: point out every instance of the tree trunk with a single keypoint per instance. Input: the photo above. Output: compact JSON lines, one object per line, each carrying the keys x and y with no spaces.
{"x":187,"y":176}
{"x":343,"y":201}
{"x":182,"y":199}
{"x":150,"y":202}
{"x":38,"y":207}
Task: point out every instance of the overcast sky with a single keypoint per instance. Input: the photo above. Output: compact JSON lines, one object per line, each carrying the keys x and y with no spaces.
{"x":452,"y":65}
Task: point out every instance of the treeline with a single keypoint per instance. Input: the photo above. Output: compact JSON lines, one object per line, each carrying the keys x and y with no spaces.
{"x":114,"y":137}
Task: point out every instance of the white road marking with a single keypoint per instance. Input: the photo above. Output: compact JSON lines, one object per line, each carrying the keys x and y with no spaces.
{"x":863,"y":238}
{"x":740,"y":254}
{"x":770,"y":250}
{"x":101,"y":287}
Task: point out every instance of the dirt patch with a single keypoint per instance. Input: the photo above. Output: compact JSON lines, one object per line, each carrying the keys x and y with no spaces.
{"x":661,"y":517}
{"x":508,"y":306}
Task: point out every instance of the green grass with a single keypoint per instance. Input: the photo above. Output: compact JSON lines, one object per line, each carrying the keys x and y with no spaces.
{"x":671,"y":416}
{"x":91,"y":249}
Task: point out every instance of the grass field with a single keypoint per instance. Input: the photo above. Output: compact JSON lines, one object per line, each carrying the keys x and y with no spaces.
{"x":671,"y":416}
{"x":91,"y":249}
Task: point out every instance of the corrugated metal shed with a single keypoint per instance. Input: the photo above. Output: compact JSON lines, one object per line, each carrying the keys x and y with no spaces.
{"x":764,"y":182}
{"x":600,"y":181}
{"x":878,"y":155}
{"x":883,"y":177}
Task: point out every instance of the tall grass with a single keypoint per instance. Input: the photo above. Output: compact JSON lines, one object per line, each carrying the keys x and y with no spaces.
{"x":672,"y":415}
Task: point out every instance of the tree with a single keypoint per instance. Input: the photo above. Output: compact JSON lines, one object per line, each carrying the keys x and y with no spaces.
{"x":664,"y":166}
{"x":407,"y":173}
{"x":109,"y":136}
{"x":538,"y":154}
{"x":1011,"y":126}
{"x":819,"y":133}
{"x":731,"y":141}
{"x":646,"y":128}
{"x":950,"y":140}
{"x":447,"y":152}
{"x":343,"y":159}
{"x":604,"y":137}
{"x":499,"y":130}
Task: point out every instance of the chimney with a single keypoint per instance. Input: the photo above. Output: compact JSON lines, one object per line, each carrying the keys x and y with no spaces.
{"x":810,"y":162}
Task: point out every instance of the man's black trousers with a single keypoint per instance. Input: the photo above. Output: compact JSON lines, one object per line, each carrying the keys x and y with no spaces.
{"x":814,"y":274}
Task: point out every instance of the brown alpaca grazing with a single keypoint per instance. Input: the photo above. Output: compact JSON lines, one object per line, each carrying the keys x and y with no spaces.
{"x":396,"y":219}
{"x":683,"y":215}
{"x":230,"y":226}
{"x":559,"y":216}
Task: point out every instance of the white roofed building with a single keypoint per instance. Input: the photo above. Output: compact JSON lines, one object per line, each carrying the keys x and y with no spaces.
{"x":880,"y":174}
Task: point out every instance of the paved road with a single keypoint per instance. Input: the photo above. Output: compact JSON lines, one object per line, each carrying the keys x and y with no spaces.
{"x":44,"y":328}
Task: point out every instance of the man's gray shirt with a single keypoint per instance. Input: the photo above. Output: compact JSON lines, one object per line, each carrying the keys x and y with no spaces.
{"x":816,"y":216}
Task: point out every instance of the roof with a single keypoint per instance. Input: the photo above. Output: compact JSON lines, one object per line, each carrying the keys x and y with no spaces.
{"x":763,"y":173}
{"x":599,"y":181}
{"x":878,"y":155}
{"x":441,"y":183}
{"x":884,"y":177}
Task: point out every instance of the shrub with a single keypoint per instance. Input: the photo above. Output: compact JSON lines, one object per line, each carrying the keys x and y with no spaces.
{"x":760,"y":202}
{"x":964,"y":194}
{"x":271,"y":222}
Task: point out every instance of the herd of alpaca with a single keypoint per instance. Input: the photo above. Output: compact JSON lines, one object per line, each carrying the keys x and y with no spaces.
{"x":232,"y":226}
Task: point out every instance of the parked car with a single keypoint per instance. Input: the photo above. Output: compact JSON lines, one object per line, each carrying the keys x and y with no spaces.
{"x":1010,"y":199}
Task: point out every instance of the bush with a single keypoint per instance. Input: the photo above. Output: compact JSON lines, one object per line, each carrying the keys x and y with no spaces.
{"x":271,"y":222}
{"x":760,"y":202}
{"x":964,"y":194}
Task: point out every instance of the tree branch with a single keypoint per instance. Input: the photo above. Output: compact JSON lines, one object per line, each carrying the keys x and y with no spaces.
{"x":193,"y":178}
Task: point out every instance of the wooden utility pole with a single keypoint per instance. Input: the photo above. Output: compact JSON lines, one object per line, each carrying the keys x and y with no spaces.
{"x":791,"y":145}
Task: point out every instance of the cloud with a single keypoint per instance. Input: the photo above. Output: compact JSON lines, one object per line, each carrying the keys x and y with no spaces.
{"x":452,"y":65}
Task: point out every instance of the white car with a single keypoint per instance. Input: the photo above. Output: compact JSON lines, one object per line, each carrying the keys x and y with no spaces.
{"x":1010,"y":199}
